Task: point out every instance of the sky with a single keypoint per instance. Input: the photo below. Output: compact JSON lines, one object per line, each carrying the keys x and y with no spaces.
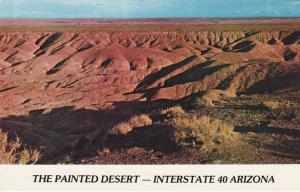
{"x":147,"y":8}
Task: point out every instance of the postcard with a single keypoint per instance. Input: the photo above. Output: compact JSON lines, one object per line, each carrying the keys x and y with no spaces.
{"x":149,"y":95}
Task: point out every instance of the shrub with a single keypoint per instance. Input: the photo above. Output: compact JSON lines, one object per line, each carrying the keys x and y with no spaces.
{"x":13,"y":152}
{"x":270,"y":105}
{"x":120,"y":129}
{"x":140,"y":121}
{"x":125,"y":127}
{"x":202,"y":132}
{"x":213,"y":137}
{"x":204,"y":101}
{"x":213,"y":95}
{"x":172,"y":111}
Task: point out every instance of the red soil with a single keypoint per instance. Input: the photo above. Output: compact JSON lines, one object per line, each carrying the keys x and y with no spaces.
{"x":95,"y":70}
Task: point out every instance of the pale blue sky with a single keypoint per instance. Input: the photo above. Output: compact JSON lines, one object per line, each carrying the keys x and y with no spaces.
{"x":147,"y":8}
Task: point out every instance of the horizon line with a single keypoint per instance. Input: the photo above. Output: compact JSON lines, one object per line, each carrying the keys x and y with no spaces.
{"x":154,"y":18}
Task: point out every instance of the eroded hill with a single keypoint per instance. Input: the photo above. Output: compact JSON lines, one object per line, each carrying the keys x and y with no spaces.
{"x":63,"y":91}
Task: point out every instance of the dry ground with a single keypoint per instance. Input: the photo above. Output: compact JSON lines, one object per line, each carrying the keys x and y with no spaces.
{"x":99,"y":93}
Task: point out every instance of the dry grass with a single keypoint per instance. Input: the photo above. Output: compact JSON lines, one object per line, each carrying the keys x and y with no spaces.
{"x":215,"y":138}
{"x":13,"y":152}
{"x":120,"y":129}
{"x":140,"y":121}
{"x":172,"y":111}
{"x":203,"y":132}
{"x":213,"y":95}
{"x":270,"y":105}
{"x":127,"y":126}
{"x":204,"y":101}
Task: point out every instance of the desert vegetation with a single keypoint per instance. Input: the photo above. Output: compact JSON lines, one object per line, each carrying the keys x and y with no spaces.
{"x":171,"y":111}
{"x":270,"y":105}
{"x":208,"y":98}
{"x":134,"y":122}
{"x":202,"y":132}
{"x":213,"y":138}
{"x":12,"y":151}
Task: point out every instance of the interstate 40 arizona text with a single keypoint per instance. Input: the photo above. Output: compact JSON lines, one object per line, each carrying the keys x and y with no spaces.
{"x":158,"y":179}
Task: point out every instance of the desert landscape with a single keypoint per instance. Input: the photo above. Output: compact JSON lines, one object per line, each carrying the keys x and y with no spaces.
{"x":178,"y":91}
